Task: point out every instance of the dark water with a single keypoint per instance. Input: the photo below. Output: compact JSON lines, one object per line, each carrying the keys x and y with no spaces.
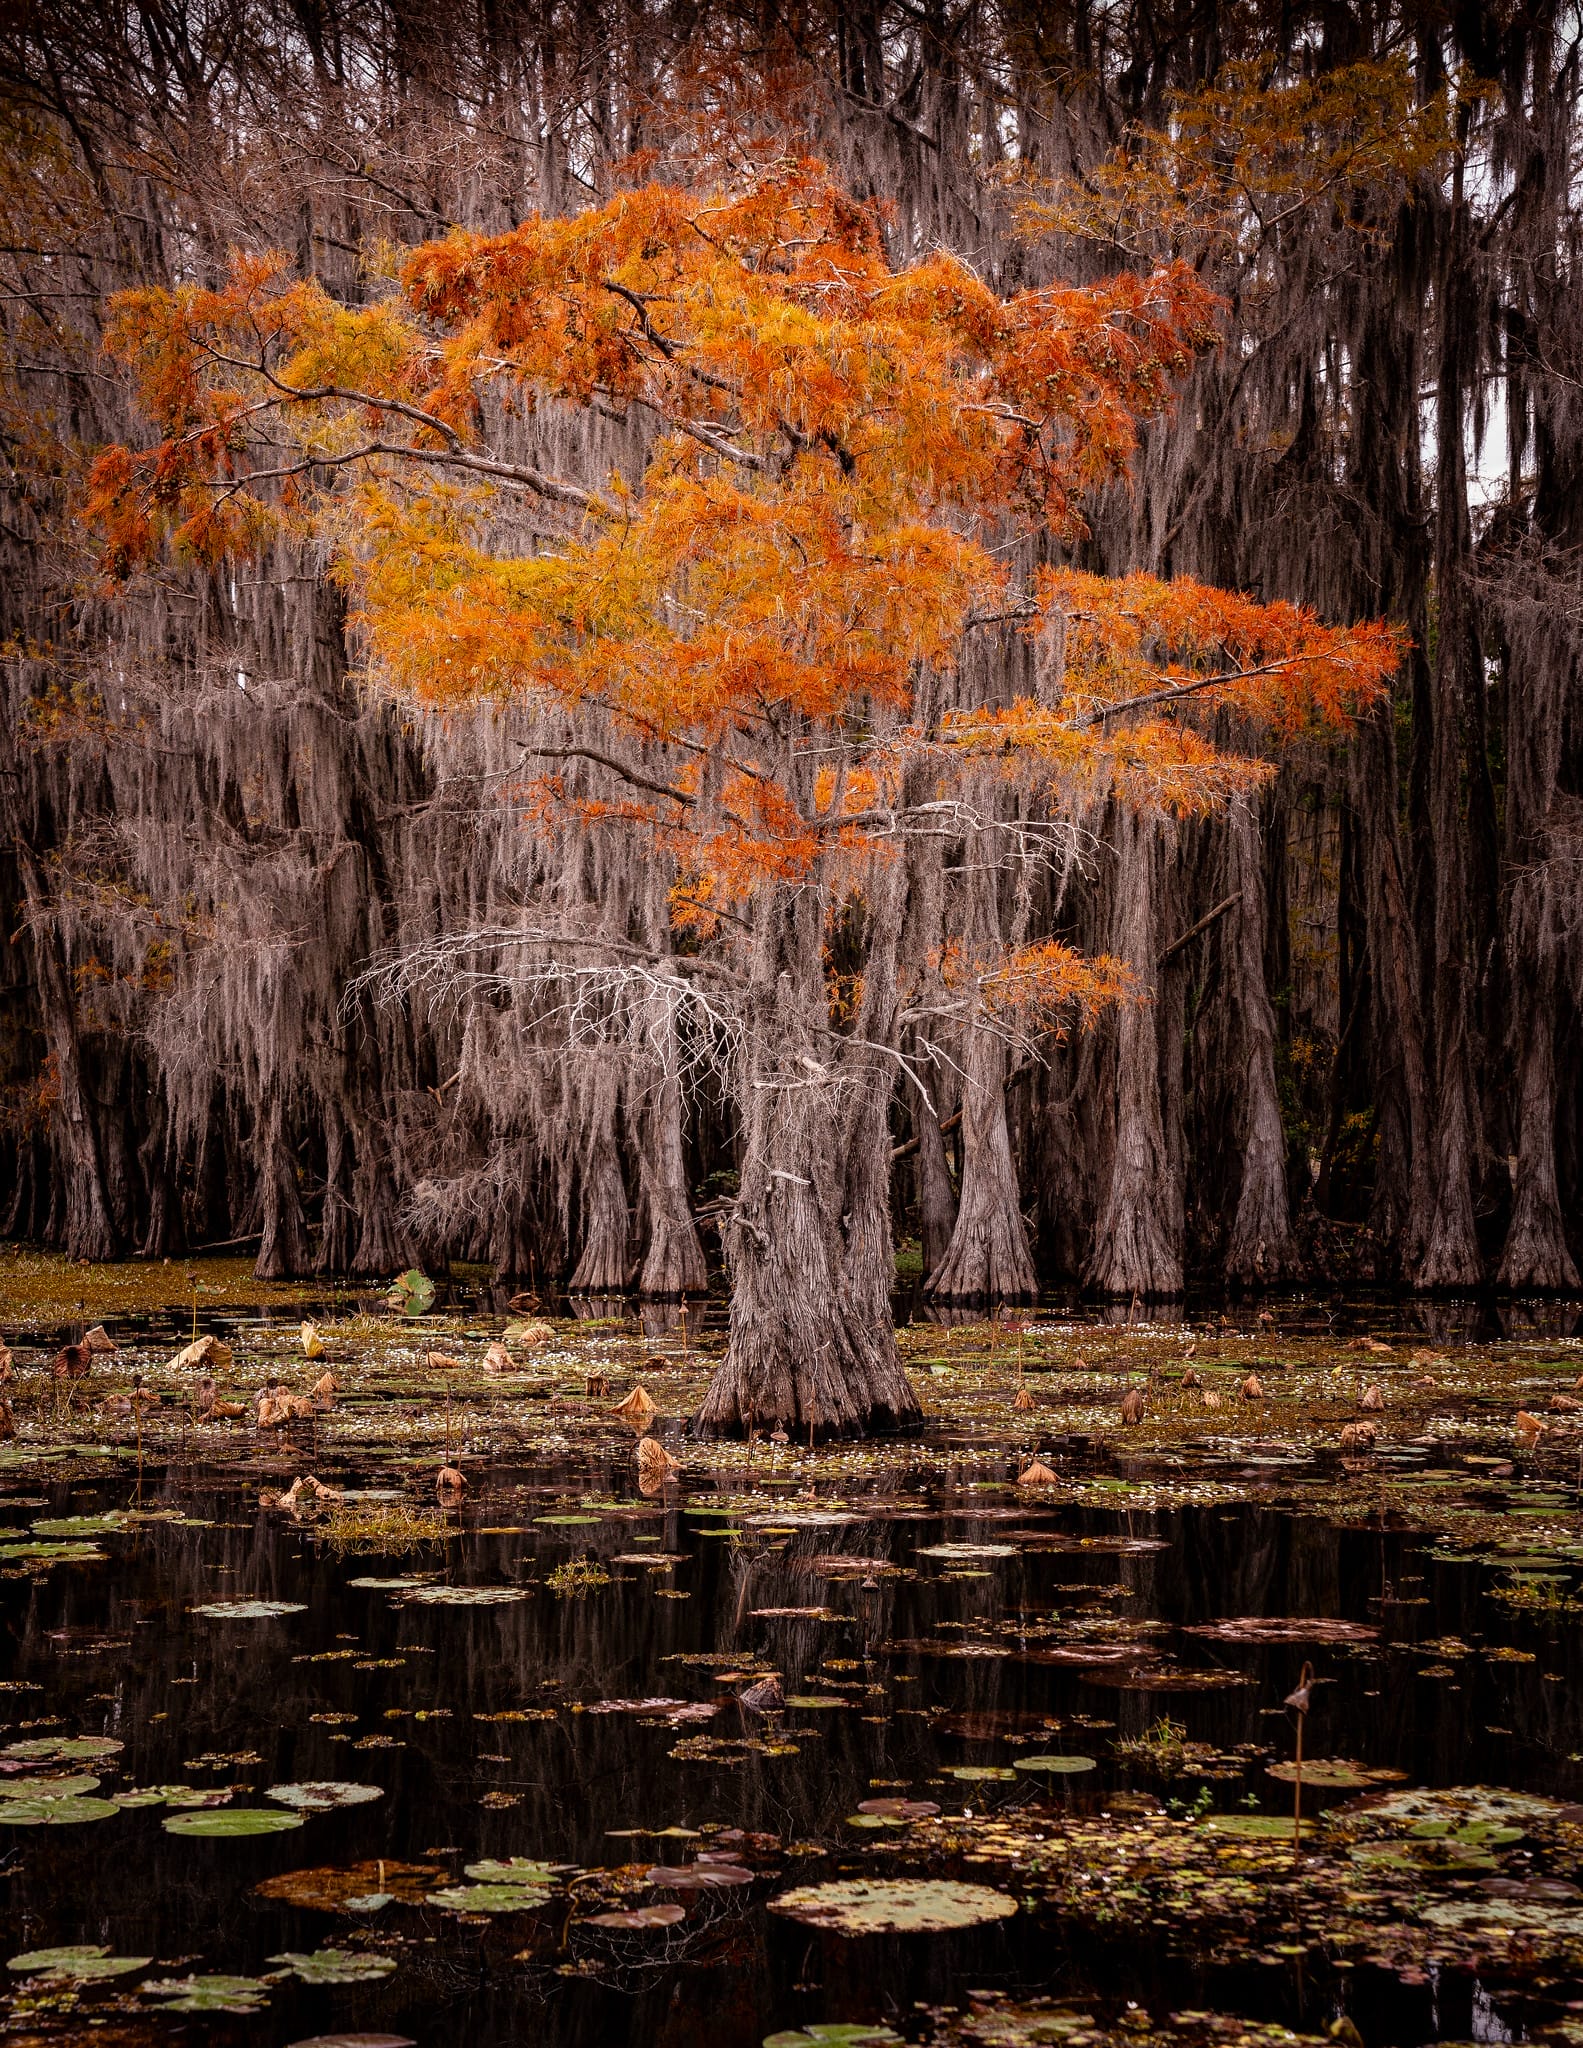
{"x":116,"y":1651}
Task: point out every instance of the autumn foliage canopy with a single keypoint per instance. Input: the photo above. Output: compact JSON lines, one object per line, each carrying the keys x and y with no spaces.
{"x":721,"y":488}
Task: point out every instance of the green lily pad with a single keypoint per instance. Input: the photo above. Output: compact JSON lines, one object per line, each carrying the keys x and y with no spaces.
{"x":321,"y":1794}
{"x":842,"y":2035}
{"x":82,"y":1525}
{"x":490,"y":1898}
{"x":54,"y":1813}
{"x":63,"y":1749}
{"x":48,"y":1788}
{"x":250,"y":1610}
{"x":412,"y":1292}
{"x":1064,"y":1766}
{"x":982,"y":1774}
{"x":41,"y":1552}
{"x":855,"y":1906}
{"x":402,"y":1585}
{"x":519,"y":1870}
{"x":84,"y":1962}
{"x":209,"y":1994}
{"x":336,"y":1966}
{"x":1251,"y":1827}
{"x":227,"y":1821}
{"x":968,"y":1553}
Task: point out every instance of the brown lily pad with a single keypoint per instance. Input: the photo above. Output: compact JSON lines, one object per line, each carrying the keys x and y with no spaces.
{"x":330,"y":1888}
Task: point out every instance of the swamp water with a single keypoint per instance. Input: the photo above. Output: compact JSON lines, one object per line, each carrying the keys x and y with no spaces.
{"x":531,"y":1783}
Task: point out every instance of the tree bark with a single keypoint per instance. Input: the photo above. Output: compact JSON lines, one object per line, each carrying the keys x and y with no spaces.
{"x":284,"y":1253}
{"x":1261,"y":1251}
{"x":988,"y":1257}
{"x":1451,"y":1256}
{"x":674,"y":1264}
{"x":803,"y":1354}
{"x":1135,"y":1248}
{"x":87,"y":1230}
{"x":605,"y":1263}
{"x":384,"y":1244}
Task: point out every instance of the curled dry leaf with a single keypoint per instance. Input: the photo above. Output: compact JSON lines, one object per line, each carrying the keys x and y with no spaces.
{"x":100,"y":1342}
{"x":1372,"y":1400}
{"x":1251,"y":1390}
{"x":206,"y":1354}
{"x":1563,"y":1404}
{"x":441,"y":1361}
{"x":324,"y":1387}
{"x":1132,"y":1406}
{"x":1024,"y":1401}
{"x":497,"y":1359}
{"x":1036,"y":1474}
{"x":1191,"y":1378}
{"x":637,"y":1410}
{"x":71,"y":1362}
{"x":655,"y":1463}
{"x":312,"y":1342}
{"x":530,"y":1332}
{"x":1358,"y":1436}
{"x":1530,"y":1425}
{"x":450,"y":1482}
{"x":1211,"y":1400}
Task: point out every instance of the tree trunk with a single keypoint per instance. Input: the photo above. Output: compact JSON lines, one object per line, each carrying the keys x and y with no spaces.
{"x":87,"y":1231}
{"x":283,"y":1253}
{"x":384,"y":1244}
{"x":1536,"y":1258}
{"x":802,"y":1354}
{"x":604,"y":1265}
{"x":1135,"y":1249}
{"x":936,"y":1195}
{"x":988,"y":1258}
{"x":1261,"y":1250}
{"x":674,"y":1264}
{"x":1451,"y":1257}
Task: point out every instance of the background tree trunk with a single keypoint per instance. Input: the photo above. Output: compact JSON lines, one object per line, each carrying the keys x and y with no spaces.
{"x":1135,"y":1248}
{"x":1261,"y":1250}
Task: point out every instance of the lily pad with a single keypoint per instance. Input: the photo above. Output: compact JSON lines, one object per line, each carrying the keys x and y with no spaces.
{"x":1063,"y":1766}
{"x":336,"y":1966}
{"x":1335,"y":1774}
{"x":356,"y":2041}
{"x":968,"y":1553}
{"x":490,"y":1898}
{"x":63,"y":1749}
{"x":48,"y":1788}
{"x":209,"y":1994}
{"x":855,"y":1906}
{"x":638,"y":1916}
{"x":85,"y":1962}
{"x":352,"y":1887}
{"x":843,"y":2034}
{"x":321,"y":1794}
{"x":412,"y":1292}
{"x":54,"y":1813}
{"x":464,"y":1596}
{"x":250,"y":1610}
{"x":1251,"y":1827}
{"x":227,"y":1821}
{"x":516,"y":1870}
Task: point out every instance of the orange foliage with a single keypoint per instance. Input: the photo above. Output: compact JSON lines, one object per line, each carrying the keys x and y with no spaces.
{"x":731,"y":624}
